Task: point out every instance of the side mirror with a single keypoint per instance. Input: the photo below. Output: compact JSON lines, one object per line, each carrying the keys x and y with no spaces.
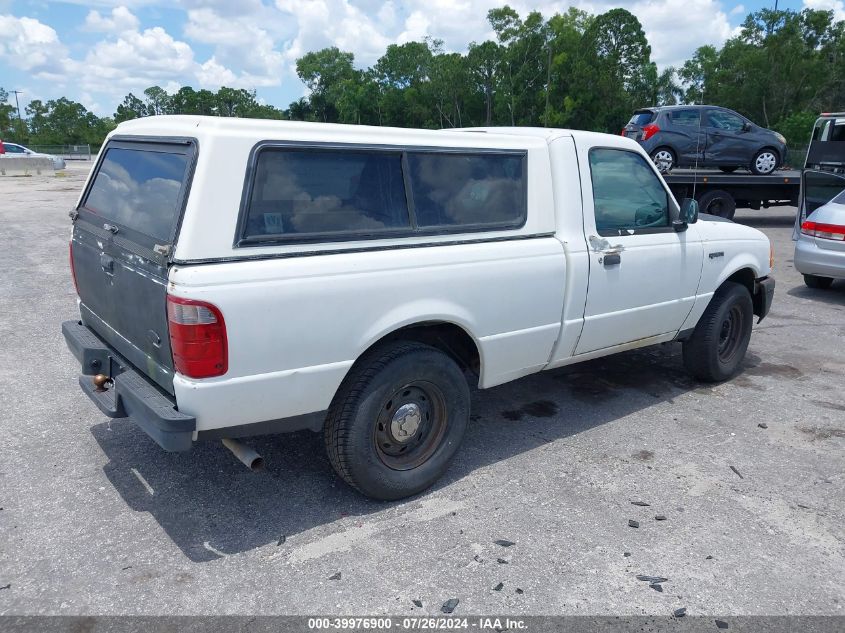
{"x":746,"y":127}
{"x":687,"y":215}
{"x":689,"y":210}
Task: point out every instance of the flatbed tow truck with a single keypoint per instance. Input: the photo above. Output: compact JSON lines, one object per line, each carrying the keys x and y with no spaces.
{"x":722,"y":194}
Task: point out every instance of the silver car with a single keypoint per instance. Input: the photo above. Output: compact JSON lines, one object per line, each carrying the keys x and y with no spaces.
{"x":820,"y":223}
{"x":820,"y":247}
{"x":13,"y":150}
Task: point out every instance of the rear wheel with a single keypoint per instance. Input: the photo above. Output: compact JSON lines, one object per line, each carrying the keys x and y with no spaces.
{"x":820,"y":283}
{"x":718,"y":344}
{"x":397,"y":420}
{"x":728,"y":170}
{"x":765,"y":162}
{"x":664,"y":158}
{"x":718,"y":202}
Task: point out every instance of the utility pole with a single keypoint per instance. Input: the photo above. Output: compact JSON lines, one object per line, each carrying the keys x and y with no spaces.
{"x":20,"y":120}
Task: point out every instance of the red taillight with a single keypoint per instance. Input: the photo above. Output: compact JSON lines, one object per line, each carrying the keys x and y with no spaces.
{"x":72,"y":267}
{"x":823,"y":231}
{"x":650,"y":130}
{"x":197,"y":338}
{"x":622,"y":133}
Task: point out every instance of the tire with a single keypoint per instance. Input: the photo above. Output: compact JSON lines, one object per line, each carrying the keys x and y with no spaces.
{"x":717,"y":202}
{"x":718,"y":344}
{"x":367,"y":436}
{"x":820,"y":283}
{"x":664,"y":158}
{"x":728,"y":170}
{"x":765,"y":162}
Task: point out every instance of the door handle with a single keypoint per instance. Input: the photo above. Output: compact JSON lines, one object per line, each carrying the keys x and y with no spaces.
{"x":612,"y":258}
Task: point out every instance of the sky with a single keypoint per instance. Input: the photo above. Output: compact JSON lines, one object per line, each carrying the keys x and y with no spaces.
{"x":97,"y":51}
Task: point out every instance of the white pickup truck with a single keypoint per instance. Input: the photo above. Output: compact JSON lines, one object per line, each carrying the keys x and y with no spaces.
{"x":239,"y":277}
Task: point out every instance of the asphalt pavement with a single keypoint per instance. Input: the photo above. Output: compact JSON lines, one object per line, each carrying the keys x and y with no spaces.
{"x":740,"y":486}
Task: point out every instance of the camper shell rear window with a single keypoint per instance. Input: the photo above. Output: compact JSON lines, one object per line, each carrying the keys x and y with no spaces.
{"x":141,"y":186}
{"x":296,"y":194}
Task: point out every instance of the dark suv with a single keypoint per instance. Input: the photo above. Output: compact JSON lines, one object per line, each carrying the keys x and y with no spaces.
{"x":675,"y":136}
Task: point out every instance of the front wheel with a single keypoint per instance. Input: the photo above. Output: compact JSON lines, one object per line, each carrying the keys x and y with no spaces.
{"x":718,"y":344}
{"x":765,"y":162}
{"x":397,"y":420}
{"x":819,"y":283}
{"x":664,"y":159}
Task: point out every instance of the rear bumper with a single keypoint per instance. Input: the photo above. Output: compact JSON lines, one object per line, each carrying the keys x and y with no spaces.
{"x":764,"y":292}
{"x":132,"y":394}
{"x":823,"y":262}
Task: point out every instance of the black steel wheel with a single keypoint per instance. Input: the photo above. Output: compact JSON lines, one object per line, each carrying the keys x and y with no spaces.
{"x":717,"y":346}
{"x":397,"y":420}
{"x":411,"y":424}
{"x":730,"y":333}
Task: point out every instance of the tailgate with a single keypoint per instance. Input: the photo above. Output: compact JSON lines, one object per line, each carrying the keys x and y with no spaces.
{"x":123,"y":234}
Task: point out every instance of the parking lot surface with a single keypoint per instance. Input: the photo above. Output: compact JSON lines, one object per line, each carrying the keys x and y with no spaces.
{"x":749,"y":475}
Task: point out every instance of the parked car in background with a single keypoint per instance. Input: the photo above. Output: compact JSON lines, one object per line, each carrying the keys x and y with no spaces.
{"x":820,"y":223}
{"x":705,"y":136}
{"x":13,"y":150}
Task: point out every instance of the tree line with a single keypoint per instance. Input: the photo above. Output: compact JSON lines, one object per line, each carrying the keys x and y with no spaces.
{"x":572,"y":70}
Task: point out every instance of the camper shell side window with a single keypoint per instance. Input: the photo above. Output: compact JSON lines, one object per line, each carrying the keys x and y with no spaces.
{"x":316,"y":193}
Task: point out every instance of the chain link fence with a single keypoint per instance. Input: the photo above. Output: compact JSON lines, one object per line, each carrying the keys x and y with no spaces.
{"x":795,"y":156}
{"x":68,"y":152}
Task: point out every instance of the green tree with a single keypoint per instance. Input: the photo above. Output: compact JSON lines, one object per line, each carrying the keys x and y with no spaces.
{"x":326,"y":73}
{"x":483,"y":62}
{"x":158,"y":101}
{"x":36,"y":113}
{"x":522,"y":94}
{"x":611,"y":76}
{"x":698,"y":74}
{"x":131,"y":108}
{"x":9,"y":127}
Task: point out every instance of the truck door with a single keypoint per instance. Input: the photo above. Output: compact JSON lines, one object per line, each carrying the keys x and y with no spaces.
{"x":123,"y":232}
{"x":643,"y":273}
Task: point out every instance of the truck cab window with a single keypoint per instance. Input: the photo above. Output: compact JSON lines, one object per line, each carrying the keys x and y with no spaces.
{"x":627,"y":194}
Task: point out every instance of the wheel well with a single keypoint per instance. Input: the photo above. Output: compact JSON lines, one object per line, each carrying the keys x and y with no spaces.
{"x":449,"y":338}
{"x":745,"y":277}
{"x":667,"y":147}
{"x":771,"y":149}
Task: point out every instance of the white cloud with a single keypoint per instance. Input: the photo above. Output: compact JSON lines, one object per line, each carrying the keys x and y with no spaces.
{"x":341,"y":23}
{"x":27,"y":44}
{"x":122,"y":19}
{"x":260,"y":63}
{"x":837,"y":6}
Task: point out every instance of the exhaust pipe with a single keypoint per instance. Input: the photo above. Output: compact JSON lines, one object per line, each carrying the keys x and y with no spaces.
{"x":248,"y":457}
